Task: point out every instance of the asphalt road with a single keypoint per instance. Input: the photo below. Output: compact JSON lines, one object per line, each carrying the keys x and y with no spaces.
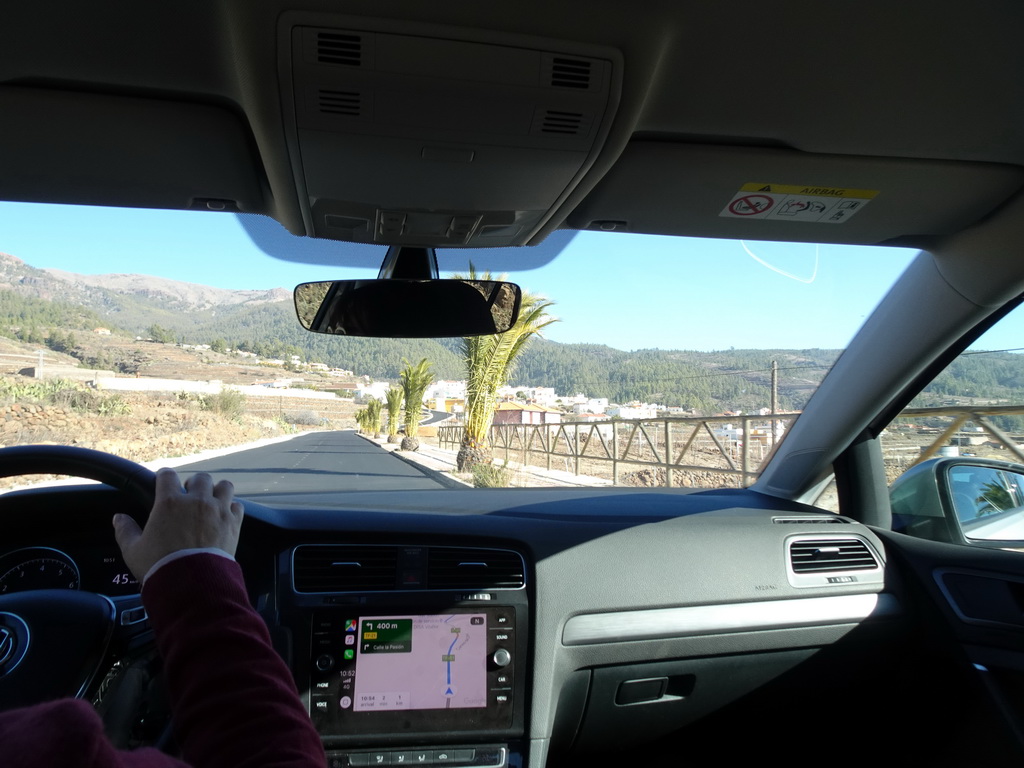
{"x":317,"y":463}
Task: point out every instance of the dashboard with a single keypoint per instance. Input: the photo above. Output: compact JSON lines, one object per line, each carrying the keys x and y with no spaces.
{"x":403,"y":645}
{"x":534,"y":627}
{"x":96,"y":567}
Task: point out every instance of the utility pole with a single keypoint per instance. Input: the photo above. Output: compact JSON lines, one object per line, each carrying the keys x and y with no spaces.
{"x":775,"y":400}
{"x":775,"y":386}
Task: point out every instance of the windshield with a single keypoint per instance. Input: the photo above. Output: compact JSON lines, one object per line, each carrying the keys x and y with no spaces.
{"x":170,"y":337}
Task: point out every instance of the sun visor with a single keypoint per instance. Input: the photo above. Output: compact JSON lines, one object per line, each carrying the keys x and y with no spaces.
{"x":784,"y":195}
{"x":423,"y":140}
{"x":96,"y":149}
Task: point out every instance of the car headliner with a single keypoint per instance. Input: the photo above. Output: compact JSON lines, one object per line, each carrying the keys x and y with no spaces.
{"x":173,"y":105}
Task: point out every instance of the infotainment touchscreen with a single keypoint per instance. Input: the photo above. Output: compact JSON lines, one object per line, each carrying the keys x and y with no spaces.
{"x":449,"y":670}
{"x":420,"y":662}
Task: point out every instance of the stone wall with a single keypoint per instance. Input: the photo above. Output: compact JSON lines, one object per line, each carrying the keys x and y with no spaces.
{"x":19,"y":417}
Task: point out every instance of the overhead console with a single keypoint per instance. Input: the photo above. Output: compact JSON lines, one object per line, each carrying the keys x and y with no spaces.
{"x":410,"y":654}
{"x":435,"y":138}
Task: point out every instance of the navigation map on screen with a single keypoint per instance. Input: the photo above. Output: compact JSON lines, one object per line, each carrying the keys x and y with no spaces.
{"x":421,"y":662}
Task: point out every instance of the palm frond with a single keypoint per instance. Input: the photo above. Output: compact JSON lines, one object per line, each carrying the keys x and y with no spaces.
{"x":490,"y":360}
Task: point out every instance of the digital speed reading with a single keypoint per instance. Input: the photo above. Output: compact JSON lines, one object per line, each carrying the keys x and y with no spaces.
{"x":115,"y":577}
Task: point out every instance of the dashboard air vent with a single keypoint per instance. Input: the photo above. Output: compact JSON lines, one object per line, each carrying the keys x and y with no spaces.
{"x":570,"y":73}
{"x":460,"y":568}
{"x":339,"y":48}
{"x":824,"y":555}
{"x":345,"y":568}
{"x":347,"y":103}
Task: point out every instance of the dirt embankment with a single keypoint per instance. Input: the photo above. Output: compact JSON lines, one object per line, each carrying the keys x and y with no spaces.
{"x":148,"y":426}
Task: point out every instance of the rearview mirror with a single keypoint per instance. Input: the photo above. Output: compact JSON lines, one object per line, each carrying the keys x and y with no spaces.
{"x":968,"y":501}
{"x":408,"y":308}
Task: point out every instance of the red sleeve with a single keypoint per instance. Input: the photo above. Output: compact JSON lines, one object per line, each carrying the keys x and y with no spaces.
{"x":233,"y":698}
{"x":67,"y":732}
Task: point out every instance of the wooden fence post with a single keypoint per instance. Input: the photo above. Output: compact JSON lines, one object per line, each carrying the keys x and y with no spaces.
{"x":668,"y":453}
{"x":550,"y":446}
{"x":745,"y":456}
{"x":615,"y":451}
{"x":576,"y":441}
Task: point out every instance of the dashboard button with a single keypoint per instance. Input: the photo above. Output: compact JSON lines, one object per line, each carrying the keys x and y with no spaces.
{"x":325,"y":622}
{"x":490,"y":756}
{"x":501,"y":658}
{"x":325,"y":662}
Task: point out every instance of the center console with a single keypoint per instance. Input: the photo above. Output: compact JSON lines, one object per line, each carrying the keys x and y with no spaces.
{"x":422,"y":663}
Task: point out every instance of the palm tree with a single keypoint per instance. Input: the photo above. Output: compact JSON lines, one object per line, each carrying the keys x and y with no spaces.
{"x":414,"y":380}
{"x":490,"y":361}
{"x":373,"y":414}
{"x":394,"y":400}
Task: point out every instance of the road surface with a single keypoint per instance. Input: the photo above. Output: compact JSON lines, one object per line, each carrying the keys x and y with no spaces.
{"x":320,"y":462}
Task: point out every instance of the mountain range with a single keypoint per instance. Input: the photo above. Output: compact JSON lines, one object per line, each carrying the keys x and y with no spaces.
{"x":264,"y":322}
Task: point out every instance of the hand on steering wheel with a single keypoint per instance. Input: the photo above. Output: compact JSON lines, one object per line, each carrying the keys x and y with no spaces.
{"x":203,"y":516}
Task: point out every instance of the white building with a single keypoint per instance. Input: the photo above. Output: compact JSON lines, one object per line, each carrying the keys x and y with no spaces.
{"x":377,"y":389}
{"x":593,"y":405}
{"x":634,"y":411}
{"x":446,"y":390}
{"x":542,"y":395}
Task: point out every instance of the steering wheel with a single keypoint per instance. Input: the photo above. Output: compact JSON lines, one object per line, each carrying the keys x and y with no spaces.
{"x":37,"y":663}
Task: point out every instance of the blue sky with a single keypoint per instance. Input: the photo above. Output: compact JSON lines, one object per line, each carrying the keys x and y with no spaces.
{"x":627,"y":291}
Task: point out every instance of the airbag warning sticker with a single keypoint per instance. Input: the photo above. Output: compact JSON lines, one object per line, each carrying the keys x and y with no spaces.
{"x":792,"y":202}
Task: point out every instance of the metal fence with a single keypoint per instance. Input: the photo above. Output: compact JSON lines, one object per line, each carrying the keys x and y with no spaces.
{"x":729,"y":450}
{"x":680,"y":448}
{"x":959,"y":416}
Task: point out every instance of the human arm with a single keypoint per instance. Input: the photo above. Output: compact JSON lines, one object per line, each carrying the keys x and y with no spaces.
{"x":232,"y":696}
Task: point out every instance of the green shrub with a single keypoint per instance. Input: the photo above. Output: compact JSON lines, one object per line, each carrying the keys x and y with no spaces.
{"x":113,"y":405}
{"x":491,"y":476}
{"x":305,"y":418}
{"x":77,"y":399}
{"x":42,"y":389}
{"x":65,"y":393}
{"x":229,"y":403}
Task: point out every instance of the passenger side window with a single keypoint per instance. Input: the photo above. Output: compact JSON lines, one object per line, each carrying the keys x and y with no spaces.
{"x":954,"y":457}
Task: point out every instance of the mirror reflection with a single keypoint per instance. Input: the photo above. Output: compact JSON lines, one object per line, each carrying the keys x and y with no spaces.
{"x":408,"y":308}
{"x":989,"y":501}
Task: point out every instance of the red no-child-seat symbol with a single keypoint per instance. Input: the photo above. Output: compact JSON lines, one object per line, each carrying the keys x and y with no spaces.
{"x":750,"y":205}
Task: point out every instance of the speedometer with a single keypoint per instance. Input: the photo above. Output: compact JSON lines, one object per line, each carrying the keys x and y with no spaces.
{"x":37,"y":568}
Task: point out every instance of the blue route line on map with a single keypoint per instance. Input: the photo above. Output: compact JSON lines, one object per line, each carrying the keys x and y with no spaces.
{"x":449,"y":663}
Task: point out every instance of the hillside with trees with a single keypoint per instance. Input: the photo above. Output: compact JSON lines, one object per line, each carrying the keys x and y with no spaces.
{"x":52,"y":309}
